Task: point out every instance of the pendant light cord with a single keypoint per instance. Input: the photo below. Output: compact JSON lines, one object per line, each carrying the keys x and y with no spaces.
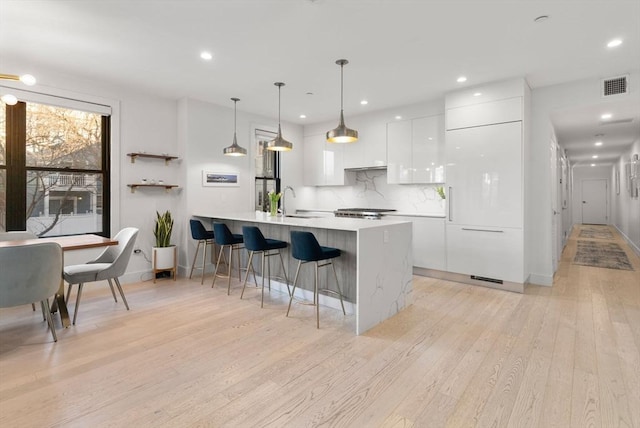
{"x":341,"y":87}
{"x":235,"y":116}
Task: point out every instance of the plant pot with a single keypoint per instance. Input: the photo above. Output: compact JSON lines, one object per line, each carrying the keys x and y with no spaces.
{"x":163,"y":259}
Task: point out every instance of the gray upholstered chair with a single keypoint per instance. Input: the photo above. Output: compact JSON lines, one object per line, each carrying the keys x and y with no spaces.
{"x":109,"y":265}
{"x":18,"y":235}
{"x":30,"y":273}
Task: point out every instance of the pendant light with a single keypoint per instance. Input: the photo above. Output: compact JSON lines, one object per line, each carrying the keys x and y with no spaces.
{"x":342,"y":134}
{"x":27,"y":79}
{"x":235,"y":149}
{"x":279,"y":144}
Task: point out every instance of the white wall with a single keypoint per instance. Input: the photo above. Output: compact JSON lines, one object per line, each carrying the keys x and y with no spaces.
{"x":205,"y":130}
{"x":626,"y":210}
{"x":193,"y":130}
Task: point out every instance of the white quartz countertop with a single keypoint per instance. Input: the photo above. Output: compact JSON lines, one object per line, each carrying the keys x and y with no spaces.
{"x":333,"y":223}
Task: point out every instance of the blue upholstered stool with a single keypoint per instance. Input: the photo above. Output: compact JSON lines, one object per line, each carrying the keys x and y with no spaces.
{"x":255,"y":242}
{"x":226,"y":239}
{"x":305,"y":249}
{"x":204,"y":237}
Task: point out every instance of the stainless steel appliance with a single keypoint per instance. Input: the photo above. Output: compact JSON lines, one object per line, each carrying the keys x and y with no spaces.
{"x":366,"y":213}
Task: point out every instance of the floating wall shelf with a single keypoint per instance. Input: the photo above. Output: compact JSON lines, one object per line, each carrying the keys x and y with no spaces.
{"x":167,"y":158}
{"x":167,"y":187}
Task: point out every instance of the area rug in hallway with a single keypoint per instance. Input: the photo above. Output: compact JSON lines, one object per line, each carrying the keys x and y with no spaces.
{"x":595,"y":232}
{"x":601,"y":254}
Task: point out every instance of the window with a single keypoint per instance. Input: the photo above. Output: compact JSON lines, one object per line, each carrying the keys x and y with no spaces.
{"x":54,"y":169}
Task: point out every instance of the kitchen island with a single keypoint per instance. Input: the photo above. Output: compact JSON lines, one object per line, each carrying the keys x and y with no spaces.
{"x":374,"y":270}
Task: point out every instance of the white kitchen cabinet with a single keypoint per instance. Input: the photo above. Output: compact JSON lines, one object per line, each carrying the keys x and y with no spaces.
{"x":323,"y":162}
{"x":429,"y":250}
{"x":399,"y":141}
{"x":371,"y":148}
{"x":485,"y":144}
{"x":484,"y":175}
{"x":486,"y":252}
{"x":501,"y":111}
{"x":428,"y":149}
{"x":415,"y":150}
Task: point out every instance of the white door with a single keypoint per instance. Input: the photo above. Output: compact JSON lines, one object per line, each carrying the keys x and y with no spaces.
{"x":553,"y":156}
{"x":594,"y":201}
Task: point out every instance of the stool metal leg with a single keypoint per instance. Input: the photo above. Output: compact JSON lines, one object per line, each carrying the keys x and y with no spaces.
{"x":338,"y":286}
{"x":229,"y":270}
{"x":195,"y":258}
{"x":215,"y":273}
{"x":316,"y":297}
{"x":249,"y":267}
{"x":284,"y":271}
{"x":293,"y":292}
{"x":268,"y":276}
{"x":204,"y":259}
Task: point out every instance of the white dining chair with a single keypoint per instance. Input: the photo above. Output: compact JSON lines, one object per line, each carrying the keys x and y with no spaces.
{"x":109,"y":265}
{"x":30,"y":273}
{"x":18,"y":235}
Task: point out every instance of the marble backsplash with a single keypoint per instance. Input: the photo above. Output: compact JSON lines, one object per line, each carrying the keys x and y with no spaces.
{"x":370,"y":190}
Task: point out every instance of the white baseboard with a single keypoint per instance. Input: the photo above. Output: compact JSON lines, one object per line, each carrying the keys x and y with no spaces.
{"x":538,"y":279}
{"x":633,"y":246}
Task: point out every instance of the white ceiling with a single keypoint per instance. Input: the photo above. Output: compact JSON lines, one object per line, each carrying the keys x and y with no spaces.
{"x":400,"y":51}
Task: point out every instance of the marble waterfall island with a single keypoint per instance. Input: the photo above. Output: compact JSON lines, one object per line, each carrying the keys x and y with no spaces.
{"x":375,"y":269}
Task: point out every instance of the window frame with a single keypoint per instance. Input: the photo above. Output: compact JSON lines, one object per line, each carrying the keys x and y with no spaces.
{"x":16,"y":168}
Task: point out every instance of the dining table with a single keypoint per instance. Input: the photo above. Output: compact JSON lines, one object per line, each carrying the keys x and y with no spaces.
{"x":68,"y":243}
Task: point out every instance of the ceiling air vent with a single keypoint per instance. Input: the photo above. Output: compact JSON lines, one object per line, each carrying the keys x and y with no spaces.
{"x":615,"y":86}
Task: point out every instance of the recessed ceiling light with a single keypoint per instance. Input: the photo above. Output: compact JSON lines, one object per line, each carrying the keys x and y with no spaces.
{"x":309,"y":93}
{"x":364,"y":102}
{"x":303,"y":116}
{"x":594,"y":157}
{"x":430,"y":138}
{"x":398,"y":117}
{"x":598,"y":143}
{"x":477,"y":94}
{"x":614,"y":43}
{"x":461,"y":79}
{"x":606,"y":116}
{"x":593,"y":164}
{"x":207,"y":56}
{"x":541,"y":18}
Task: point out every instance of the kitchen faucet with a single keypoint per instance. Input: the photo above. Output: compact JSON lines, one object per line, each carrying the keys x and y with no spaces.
{"x":284,"y":192}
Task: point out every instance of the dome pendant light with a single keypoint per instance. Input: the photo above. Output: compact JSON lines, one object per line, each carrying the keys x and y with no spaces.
{"x":279,"y":144}
{"x":342,"y":134}
{"x":235,"y":149}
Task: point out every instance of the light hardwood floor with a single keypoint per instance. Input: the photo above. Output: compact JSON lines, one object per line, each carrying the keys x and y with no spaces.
{"x":189,"y":355}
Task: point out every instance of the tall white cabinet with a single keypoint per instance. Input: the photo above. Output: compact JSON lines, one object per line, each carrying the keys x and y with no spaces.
{"x":485,"y":146}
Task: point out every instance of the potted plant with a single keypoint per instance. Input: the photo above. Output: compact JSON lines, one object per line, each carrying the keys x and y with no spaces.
{"x":164,"y":254}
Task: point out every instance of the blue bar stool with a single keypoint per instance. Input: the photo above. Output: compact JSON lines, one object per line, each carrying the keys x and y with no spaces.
{"x":226,"y":239}
{"x":255,"y":242}
{"x":204,"y":237}
{"x":305,"y":249}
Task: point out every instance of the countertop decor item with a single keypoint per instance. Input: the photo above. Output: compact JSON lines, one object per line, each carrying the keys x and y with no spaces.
{"x":234,"y":149}
{"x":279,"y":144}
{"x":273,"y":202}
{"x":342,"y":134}
{"x":440,"y":191}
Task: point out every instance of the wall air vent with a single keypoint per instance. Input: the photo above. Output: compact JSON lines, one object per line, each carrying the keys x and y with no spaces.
{"x":615,"y":86}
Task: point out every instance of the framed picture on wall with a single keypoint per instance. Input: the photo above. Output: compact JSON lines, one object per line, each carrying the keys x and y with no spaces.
{"x":220,"y":179}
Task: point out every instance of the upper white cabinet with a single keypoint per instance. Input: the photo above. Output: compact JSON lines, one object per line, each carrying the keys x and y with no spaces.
{"x":416,"y":150}
{"x":323,"y":162}
{"x":492,"y":112}
{"x":371,"y":148}
{"x":399,"y":150}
